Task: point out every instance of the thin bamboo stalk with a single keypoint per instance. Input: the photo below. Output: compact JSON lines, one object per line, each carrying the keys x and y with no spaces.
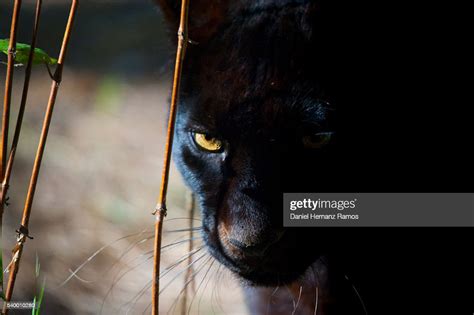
{"x":6,"y":110}
{"x":24,"y":97}
{"x":190,"y":270}
{"x":160,"y":210}
{"x":8,"y":86}
{"x":23,"y":230}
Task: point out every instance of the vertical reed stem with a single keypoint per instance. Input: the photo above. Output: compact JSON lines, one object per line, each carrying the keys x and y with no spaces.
{"x":8,"y":86}
{"x":6,"y":112}
{"x":160,"y":210}
{"x":24,"y":96}
{"x":23,"y":230}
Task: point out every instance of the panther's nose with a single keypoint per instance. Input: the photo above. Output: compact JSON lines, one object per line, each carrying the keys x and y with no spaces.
{"x":247,"y":245}
{"x":251,"y":249}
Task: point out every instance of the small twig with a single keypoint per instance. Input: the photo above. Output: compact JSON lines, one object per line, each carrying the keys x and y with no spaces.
{"x":190,"y":270}
{"x":8,"y":86}
{"x":6,"y":112}
{"x":17,"y":251}
{"x":51,"y":75}
{"x":21,"y":111}
{"x":160,"y":211}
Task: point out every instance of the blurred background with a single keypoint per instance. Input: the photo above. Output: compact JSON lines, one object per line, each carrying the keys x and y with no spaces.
{"x":101,"y":171}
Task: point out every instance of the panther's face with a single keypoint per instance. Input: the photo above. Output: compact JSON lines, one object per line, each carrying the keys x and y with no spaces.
{"x":239,"y":159}
{"x":254,"y":122}
{"x":239,"y":170}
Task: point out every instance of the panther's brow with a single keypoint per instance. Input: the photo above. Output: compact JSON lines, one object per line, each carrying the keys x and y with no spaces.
{"x":315,"y":113}
{"x":202,"y":124}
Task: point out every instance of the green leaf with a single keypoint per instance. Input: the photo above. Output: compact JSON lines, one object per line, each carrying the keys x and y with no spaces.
{"x":36,"y":310}
{"x":23,"y":52}
{"x":33,"y":310}
{"x":37,"y":300}
{"x":40,"y":300}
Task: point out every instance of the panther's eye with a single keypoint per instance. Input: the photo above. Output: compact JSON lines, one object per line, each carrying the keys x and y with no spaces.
{"x":317,"y":140}
{"x":207,"y":142}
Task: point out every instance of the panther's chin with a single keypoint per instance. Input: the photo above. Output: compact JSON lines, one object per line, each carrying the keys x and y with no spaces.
{"x":263,"y":270}
{"x":268,"y":279}
{"x":263,"y":274}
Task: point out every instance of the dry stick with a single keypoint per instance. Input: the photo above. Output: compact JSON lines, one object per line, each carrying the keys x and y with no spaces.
{"x":23,"y":230}
{"x":24,"y":96}
{"x":16,"y":136}
{"x":6,"y":111}
{"x":8,"y":86}
{"x":160,"y":210}
{"x":191,"y":245}
{"x":21,"y":111}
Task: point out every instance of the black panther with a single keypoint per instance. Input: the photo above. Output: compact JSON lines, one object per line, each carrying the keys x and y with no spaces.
{"x":293,"y":96}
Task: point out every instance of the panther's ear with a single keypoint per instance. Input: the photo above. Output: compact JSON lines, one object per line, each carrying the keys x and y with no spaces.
{"x":205,"y":16}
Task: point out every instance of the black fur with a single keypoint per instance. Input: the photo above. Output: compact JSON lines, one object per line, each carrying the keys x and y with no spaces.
{"x":269,"y":97}
{"x":265,"y":74}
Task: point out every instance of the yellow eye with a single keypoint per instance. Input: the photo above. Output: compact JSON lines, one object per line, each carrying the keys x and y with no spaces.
{"x":317,"y":140}
{"x":207,"y":142}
